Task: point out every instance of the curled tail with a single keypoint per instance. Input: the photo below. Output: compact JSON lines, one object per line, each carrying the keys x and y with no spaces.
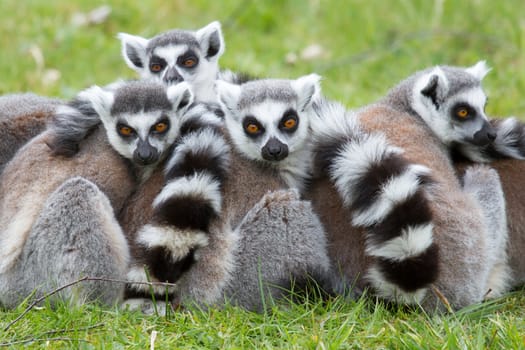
{"x":509,"y":143}
{"x":386,"y":195}
{"x":189,"y":200}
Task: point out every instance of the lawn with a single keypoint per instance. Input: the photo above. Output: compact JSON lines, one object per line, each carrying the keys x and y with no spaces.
{"x":361,"y":48}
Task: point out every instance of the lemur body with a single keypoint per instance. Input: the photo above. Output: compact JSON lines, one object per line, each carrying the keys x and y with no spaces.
{"x":240,"y":254}
{"x":469,"y":258}
{"x":57,"y":222}
{"x":22,"y":116}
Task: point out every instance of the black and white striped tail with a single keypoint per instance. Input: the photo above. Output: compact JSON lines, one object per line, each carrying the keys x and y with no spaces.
{"x":189,"y":200}
{"x":387,"y":197}
{"x":509,"y":143}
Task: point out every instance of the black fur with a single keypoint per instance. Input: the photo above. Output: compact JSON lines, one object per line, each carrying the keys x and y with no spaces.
{"x":198,"y":162}
{"x":185,"y":212}
{"x":413,"y":273}
{"x":430,"y":90}
{"x":412,"y":212}
{"x":161,"y":266}
{"x":369,"y":186}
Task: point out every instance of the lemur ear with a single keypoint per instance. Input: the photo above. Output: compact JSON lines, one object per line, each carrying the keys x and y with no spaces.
{"x":228,"y":95}
{"x":479,"y":70}
{"x":181,"y":96}
{"x":307,"y":89}
{"x":434,"y":86}
{"x":211,"y":41}
{"x":101,"y":100}
{"x":134,"y":50}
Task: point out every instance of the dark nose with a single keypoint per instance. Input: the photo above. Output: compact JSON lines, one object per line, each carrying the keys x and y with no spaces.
{"x":485,"y":135}
{"x":274,"y":150}
{"x":172,"y":76}
{"x":145,"y":153}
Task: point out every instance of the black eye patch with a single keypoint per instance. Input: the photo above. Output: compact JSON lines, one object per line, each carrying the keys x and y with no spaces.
{"x":463,"y":112}
{"x":252,"y":127}
{"x":157,"y":64}
{"x":188,"y":60}
{"x":289,"y":122}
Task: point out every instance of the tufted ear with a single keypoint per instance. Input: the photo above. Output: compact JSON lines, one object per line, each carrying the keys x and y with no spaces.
{"x":181,"y":96}
{"x":228,"y":96}
{"x":434,"y":86}
{"x":307,"y":88}
{"x":479,"y":70}
{"x":134,"y":51}
{"x":101,"y":100}
{"x":211,"y":41}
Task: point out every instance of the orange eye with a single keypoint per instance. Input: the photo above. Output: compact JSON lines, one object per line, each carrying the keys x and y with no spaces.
{"x":190,"y":62}
{"x":155,"y":67}
{"x":252,"y":129}
{"x":161,"y":127}
{"x":462,"y":113}
{"x":125,"y":130}
{"x":290,"y":123}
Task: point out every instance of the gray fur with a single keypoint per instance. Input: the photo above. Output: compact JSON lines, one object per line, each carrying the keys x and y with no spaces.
{"x":79,"y":212}
{"x":22,"y":116}
{"x":279,"y":241}
{"x":483,"y":183}
{"x":260,"y":90}
{"x":75,"y":235}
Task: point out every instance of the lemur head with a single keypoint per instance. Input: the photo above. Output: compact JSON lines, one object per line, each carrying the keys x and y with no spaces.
{"x":452,"y":102}
{"x":268,"y":120}
{"x":176,"y":56}
{"x":141,"y":119}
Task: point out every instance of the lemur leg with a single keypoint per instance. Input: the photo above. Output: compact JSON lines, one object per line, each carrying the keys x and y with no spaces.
{"x":279,"y":245}
{"x":75,"y":235}
{"x":483,"y":184}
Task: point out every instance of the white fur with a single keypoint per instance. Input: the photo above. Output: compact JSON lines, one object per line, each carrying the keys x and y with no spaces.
{"x":479,"y":70}
{"x":202,"y":185}
{"x":178,"y":94}
{"x":307,"y":89}
{"x":394,"y":191}
{"x":136,"y":42}
{"x":412,"y":242}
{"x":353,"y":161}
{"x":228,"y":95}
{"x":505,"y":137}
{"x":391,"y":291}
{"x":177,"y":241}
{"x":203,"y":37}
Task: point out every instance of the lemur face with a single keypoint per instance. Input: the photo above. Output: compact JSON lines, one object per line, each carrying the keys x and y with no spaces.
{"x":176,"y":56}
{"x":268,"y":120}
{"x":142,"y":120}
{"x":452,"y":102}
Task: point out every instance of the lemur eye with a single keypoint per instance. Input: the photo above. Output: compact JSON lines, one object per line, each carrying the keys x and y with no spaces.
{"x":252,"y":129}
{"x":125,"y":130}
{"x":290,"y":123}
{"x":161,"y":127}
{"x":462,"y":113}
{"x":155,"y":67}
{"x":189,"y":62}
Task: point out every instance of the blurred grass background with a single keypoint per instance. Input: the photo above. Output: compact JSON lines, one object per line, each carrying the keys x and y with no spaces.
{"x":362,"y":48}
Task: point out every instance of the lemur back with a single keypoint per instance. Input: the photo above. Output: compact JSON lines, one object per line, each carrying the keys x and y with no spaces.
{"x":22,"y":117}
{"x":104,"y":163}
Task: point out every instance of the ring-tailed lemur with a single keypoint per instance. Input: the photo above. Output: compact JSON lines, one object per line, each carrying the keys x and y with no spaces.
{"x":180,"y":55}
{"x":467,"y":253}
{"x":241,"y":260}
{"x":269,"y":122}
{"x":57,"y":222}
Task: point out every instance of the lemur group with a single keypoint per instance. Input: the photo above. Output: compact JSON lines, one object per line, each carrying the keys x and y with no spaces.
{"x":197,"y":185}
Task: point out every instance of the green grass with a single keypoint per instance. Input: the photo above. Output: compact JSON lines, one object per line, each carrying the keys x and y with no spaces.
{"x":368,"y":46}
